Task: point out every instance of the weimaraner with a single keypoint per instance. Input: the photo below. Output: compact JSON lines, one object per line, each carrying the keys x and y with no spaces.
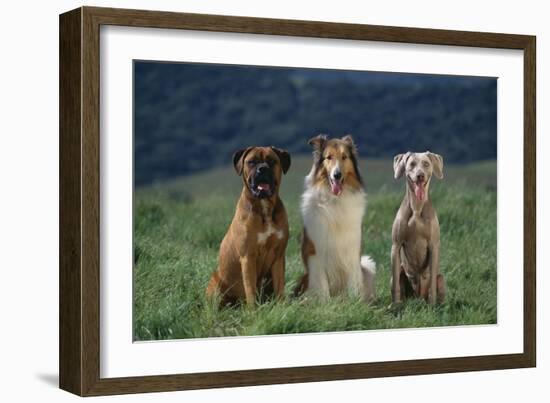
{"x":415,"y":232}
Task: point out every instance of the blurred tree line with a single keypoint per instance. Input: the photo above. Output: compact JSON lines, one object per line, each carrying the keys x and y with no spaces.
{"x":190,"y":117}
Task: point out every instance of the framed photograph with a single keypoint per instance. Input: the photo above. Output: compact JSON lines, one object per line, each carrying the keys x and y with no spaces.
{"x":249,"y":201}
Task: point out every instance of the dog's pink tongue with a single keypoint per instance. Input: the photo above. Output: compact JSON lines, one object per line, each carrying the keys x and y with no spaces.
{"x":419,"y":191}
{"x":264,"y":187}
{"x":336,"y":188}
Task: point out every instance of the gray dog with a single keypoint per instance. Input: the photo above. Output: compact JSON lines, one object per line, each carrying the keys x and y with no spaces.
{"x":415,"y":232}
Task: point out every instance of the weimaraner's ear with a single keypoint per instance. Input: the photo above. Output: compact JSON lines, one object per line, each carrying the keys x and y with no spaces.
{"x":437,"y":161}
{"x":399,"y":162}
{"x":238,"y":159}
{"x":284,"y":156}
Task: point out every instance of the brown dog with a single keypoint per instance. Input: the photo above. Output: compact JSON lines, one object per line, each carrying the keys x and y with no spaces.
{"x":252,"y":253}
{"x":415,"y":233}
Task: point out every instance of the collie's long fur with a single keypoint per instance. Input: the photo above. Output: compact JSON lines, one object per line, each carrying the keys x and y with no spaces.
{"x":333,"y":205}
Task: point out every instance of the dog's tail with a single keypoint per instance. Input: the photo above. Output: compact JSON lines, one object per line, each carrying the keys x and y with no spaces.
{"x":368,"y":267}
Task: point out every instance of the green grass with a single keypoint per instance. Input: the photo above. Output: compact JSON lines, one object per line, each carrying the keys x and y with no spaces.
{"x":178,"y":226}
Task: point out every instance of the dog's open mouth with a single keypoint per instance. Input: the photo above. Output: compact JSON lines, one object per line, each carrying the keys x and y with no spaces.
{"x":336,"y":186}
{"x":262,"y":188}
{"x":420,"y":190}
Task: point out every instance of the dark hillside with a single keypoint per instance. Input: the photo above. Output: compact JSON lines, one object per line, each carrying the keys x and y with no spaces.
{"x":191,"y":117}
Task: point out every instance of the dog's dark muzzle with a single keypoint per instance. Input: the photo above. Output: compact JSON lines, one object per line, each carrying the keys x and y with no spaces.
{"x":262,"y":183}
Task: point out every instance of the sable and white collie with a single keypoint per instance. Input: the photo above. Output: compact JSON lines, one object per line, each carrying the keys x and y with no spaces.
{"x":333,"y":205}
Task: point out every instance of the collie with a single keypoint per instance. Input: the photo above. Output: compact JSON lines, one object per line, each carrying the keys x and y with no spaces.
{"x":333,"y":205}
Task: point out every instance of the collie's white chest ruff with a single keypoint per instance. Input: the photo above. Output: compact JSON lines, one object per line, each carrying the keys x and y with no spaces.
{"x":333,"y":226}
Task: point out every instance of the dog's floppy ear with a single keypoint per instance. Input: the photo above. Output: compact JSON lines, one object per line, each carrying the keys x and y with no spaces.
{"x":348,"y":140}
{"x":318,"y":142}
{"x":399,"y":162}
{"x":437,"y":161}
{"x":238,"y":159}
{"x":284,"y":156}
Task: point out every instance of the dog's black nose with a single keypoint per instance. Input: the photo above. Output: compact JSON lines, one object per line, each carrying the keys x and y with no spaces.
{"x":420,"y":177}
{"x":337,"y":175}
{"x":262,"y":168}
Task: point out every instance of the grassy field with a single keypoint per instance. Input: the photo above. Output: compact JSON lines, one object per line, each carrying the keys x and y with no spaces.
{"x":178,"y":226}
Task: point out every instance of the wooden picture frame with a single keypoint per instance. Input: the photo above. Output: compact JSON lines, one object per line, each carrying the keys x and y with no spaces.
{"x":80,"y":199}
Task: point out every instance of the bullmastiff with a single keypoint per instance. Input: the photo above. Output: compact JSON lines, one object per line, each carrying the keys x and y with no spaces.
{"x":252,"y":254}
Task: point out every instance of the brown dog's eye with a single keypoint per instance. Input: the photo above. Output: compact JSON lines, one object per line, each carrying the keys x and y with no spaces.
{"x":251,"y":162}
{"x":329,"y":157}
{"x":344,"y":157}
